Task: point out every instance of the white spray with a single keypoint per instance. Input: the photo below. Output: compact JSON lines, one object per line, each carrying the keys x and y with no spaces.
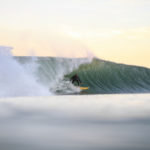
{"x":15,"y":79}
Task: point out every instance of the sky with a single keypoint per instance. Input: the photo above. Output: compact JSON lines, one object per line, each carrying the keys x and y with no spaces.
{"x":114,"y":30}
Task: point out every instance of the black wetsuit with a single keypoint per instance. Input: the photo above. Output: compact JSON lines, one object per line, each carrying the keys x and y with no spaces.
{"x":75,"y":78}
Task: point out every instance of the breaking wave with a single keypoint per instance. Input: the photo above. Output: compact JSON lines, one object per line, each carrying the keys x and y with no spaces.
{"x":43,"y":76}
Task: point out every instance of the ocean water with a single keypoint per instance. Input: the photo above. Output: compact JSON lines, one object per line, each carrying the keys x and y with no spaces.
{"x":75,"y":122}
{"x":40,"y":109}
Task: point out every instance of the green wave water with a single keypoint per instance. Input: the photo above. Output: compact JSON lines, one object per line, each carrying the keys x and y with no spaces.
{"x":107,"y":77}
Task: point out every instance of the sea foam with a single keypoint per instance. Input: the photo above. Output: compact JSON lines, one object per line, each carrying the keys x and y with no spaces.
{"x":15,"y":80}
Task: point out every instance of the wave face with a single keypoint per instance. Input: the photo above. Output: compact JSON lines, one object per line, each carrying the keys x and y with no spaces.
{"x":106,"y":77}
{"x":102,"y":77}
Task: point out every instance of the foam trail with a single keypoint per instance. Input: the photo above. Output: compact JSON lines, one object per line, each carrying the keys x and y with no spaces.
{"x":15,"y":79}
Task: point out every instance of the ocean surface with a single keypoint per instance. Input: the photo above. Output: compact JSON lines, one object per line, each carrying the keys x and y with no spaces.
{"x":75,"y":122}
{"x":40,"y":109}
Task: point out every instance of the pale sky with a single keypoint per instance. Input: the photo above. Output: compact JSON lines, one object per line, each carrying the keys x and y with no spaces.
{"x":115,"y":30}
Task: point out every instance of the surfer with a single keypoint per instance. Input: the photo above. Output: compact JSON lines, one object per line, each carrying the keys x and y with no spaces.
{"x":75,"y":78}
